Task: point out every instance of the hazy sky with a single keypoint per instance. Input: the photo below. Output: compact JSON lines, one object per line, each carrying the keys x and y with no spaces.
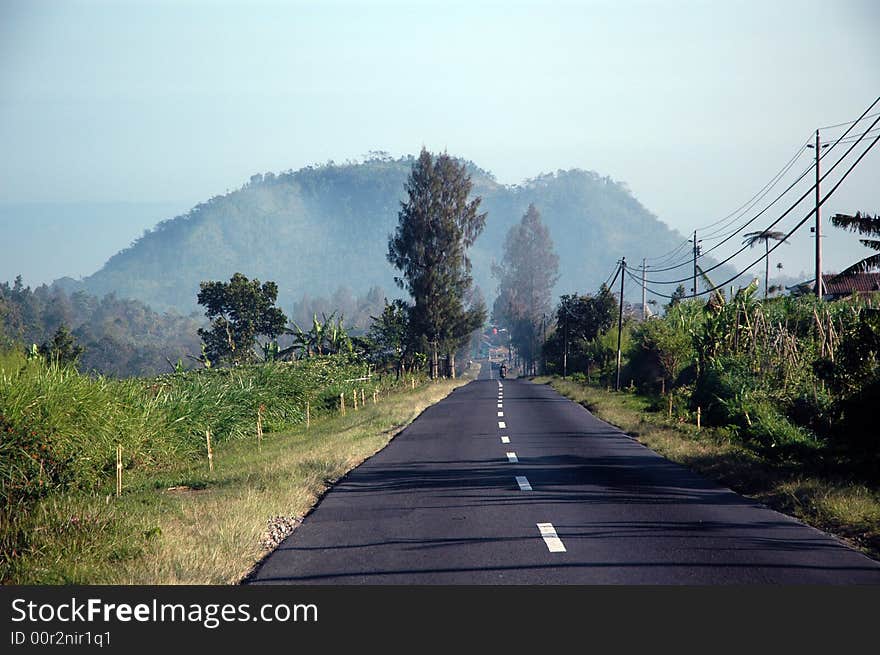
{"x":695,"y":105}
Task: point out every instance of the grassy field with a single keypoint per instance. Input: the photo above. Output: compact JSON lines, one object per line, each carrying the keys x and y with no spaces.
{"x":181,"y":524}
{"x":846,"y":507}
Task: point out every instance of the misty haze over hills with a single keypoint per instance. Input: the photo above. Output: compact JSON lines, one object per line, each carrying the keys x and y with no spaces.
{"x":324,"y":227}
{"x":71,"y":239}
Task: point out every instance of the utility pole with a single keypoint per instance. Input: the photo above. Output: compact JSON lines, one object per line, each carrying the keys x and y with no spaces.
{"x":622,"y":272}
{"x":695,"y":263}
{"x":541,"y":364}
{"x":818,"y":226}
{"x":644,"y":292}
{"x":565,"y":345}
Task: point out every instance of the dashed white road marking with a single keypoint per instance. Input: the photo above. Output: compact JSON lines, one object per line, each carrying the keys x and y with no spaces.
{"x":512,"y":458}
{"x":523,"y":483}
{"x":548,"y":532}
{"x":502,"y":424}
{"x":505,"y":439}
{"x":500,"y":414}
{"x":500,"y":405}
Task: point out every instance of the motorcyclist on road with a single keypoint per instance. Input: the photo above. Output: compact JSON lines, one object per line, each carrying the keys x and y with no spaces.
{"x":503,"y":371}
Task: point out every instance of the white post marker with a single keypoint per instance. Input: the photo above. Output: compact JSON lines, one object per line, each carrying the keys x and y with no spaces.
{"x":505,"y":439}
{"x":512,"y":458}
{"x":502,"y":425}
{"x":548,"y":532}
{"x":523,"y":483}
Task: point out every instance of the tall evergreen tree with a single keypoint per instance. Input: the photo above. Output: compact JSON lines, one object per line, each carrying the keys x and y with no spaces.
{"x":528,"y":271}
{"x":436,"y":225}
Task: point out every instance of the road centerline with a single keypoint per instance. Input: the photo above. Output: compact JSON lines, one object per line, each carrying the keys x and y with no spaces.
{"x":523,"y":483}
{"x":512,"y":458}
{"x":548,"y":532}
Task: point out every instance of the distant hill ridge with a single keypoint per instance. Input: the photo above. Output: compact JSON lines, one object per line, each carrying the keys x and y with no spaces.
{"x":322,"y":227}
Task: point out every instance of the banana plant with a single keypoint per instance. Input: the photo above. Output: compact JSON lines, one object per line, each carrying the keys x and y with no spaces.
{"x":326,"y":337}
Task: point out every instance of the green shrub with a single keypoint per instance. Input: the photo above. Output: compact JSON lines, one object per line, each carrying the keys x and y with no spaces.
{"x":769,"y":429}
{"x":723,"y":391}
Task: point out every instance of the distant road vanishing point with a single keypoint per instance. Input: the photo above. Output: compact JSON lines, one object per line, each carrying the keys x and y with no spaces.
{"x":507,"y":482}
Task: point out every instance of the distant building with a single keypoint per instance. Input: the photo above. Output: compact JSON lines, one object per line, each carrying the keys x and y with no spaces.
{"x":836,"y":287}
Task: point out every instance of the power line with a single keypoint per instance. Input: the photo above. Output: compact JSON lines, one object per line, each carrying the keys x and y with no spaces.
{"x":730,"y":235}
{"x":736,"y":213}
{"x":751,"y":202}
{"x":647,"y":288}
{"x":850,"y":139}
{"x":616,"y":274}
{"x":668,"y":255}
{"x":793,"y":230}
{"x":616,"y":268}
{"x":828,"y":127}
{"x":787,"y":212}
{"x":769,"y":187}
{"x":807,"y":170}
{"x":804,"y":219}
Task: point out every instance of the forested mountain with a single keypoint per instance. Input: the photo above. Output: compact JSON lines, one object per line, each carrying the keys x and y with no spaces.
{"x":323,"y":227}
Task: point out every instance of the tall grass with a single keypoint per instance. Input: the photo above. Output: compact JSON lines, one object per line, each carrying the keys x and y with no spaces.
{"x":60,"y":429}
{"x":185,"y":525}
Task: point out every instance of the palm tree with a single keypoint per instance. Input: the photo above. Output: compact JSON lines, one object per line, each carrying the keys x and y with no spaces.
{"x":752,"y":238}
{"x":863,"y":224}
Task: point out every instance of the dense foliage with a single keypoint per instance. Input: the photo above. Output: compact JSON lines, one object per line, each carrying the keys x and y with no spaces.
{"x":788,"y":376}
{"x":117,"y":337}
{"x":581,"y":341}
{"x":239,"y":310}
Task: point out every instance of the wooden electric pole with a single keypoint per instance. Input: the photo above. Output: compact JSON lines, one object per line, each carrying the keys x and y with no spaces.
{"x":818,"y":226}
{"x":622,"y":271}
{"x":644,"y":292}
{"x":565,"y":345}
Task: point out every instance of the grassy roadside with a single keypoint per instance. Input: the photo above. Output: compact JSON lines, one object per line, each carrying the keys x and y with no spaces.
{"x":846,"y":508}
{"x":184,"y":525}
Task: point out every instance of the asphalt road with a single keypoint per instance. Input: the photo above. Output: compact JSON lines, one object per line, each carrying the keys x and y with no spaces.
{"x":569,"y":500}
